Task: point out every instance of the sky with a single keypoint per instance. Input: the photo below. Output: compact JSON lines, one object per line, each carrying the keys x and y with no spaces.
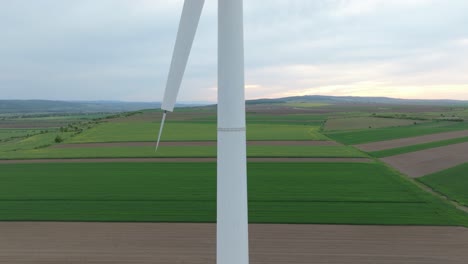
{"x":121,"y":49}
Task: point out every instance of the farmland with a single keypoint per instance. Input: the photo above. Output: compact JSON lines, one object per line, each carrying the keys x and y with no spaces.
{"x":381,"y":134}
{"x":183,"y":151}
{"x":304,"y":170}
{"x":354,"y":123}
{"x":279,"y":193}
{"x":158,"y":243}
{"x":417,"y":147}
{"x":410,"y":141}
{"x":187,"y":131}
{"x":423,"y":162}
{"x":357,"y":190}
{"x":452,"y":182}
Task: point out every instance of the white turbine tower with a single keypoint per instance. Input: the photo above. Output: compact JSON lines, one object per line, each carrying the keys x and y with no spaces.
{"x":232,"y":245}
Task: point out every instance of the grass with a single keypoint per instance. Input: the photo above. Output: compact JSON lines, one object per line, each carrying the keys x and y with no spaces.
{"x":30,"y":143}
{"x":184,"y":131}
{"x":413,"y":148}
{"x":342,"y":193}
{"x":381,"y":134}
{"x":7,"y":133}
{"x":182,"y":151}
{"x":452,"y":182}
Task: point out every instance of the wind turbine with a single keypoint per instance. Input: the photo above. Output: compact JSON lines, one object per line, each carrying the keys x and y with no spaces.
{"x":232,"y":245}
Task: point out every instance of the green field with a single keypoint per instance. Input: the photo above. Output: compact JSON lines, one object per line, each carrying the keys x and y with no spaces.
{"x":291,"y":118}
{"x":341,"y":193}
{"x":253,"y":118}
{"x":452,"y":182}
{"x":407,"y":149}
{"x":185,"y":131}
{"x":183,"y":151}
{"x":381,"y":134}
{"x":322,"y":193}
{"x":353,"y":123}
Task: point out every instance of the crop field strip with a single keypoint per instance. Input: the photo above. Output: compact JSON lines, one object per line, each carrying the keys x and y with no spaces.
{"x":417,"y":147}
{"x":357,"y":137}
{"x":185,"y":160}
{"x":365,"y":122}
{"x":405,"y":142}
{"x":162,"y":243}
{"x":452,"y":182}
{"x":185,"y":131}
{"x":423,"y":162}
{"x":184,"y":151}
{"x":197,"y":143}
{"x":339,"y":193}
{"x":293,"y":119}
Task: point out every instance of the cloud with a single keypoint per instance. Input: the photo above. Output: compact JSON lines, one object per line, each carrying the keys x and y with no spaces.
{"x":347,"y":8}
{"x":121,"y":50}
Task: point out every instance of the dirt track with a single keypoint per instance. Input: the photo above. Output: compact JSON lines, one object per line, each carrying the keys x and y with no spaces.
{"x":100,"y":160}
{"x":420,"y":163}
{"x":194,"y":143}
{"x":390,"y":144}
{"x":138,"y":243}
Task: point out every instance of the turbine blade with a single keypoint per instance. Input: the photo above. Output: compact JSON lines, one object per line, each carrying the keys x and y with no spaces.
{"x":187,"y":29}
{"x":160,"y":130}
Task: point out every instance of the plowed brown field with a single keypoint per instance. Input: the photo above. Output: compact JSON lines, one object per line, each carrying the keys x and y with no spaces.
{"x":423,"y":162}
{"x":157,"y":243}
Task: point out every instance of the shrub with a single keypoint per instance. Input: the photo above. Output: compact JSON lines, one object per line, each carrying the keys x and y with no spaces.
{"x":58,"y":139}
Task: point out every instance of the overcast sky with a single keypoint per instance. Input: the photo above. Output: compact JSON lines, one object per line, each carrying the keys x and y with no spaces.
{"x":121,"y":49}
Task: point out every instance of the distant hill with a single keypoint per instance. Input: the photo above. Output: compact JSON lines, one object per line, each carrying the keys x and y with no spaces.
{"x":46,"y":106}
{"x":358,"y":100}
